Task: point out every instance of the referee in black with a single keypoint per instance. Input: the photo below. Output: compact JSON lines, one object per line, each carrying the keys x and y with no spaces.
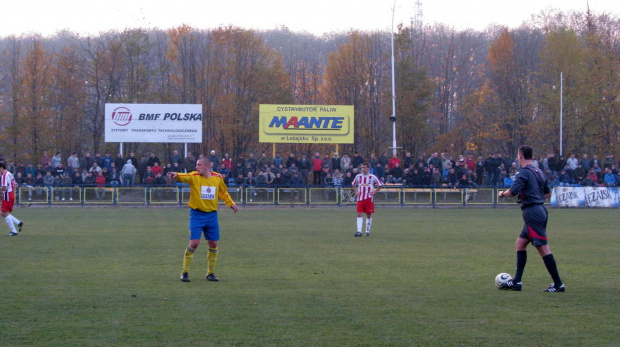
{"x":532,"y":189}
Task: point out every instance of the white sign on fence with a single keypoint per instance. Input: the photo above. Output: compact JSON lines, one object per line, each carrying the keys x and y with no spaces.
{"x":601,"y":197}
{"x":568,"y":197}
{"x":584,"y":196}
{"x":176,"y":123}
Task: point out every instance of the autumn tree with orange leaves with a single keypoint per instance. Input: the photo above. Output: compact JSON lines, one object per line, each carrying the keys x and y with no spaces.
{"x":36,"y":128}
{"x":230,"y":72}
{"x":356,"y":75}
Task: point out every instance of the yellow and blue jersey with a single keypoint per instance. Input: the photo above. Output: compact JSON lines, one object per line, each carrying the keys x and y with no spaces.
{"x":204,"y":192}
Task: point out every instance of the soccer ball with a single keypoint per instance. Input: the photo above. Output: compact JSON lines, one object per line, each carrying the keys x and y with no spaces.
{"x":502,"y":279}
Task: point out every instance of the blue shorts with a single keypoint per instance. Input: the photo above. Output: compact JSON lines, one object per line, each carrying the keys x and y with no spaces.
{"x":203,"y":222}
{"x":535,"y":225}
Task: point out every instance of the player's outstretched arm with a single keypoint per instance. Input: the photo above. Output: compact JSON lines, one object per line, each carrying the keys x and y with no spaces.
{"x":172,"y":175}
{"x":504,"y":194}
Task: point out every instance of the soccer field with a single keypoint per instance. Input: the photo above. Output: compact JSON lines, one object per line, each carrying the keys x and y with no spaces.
{"x":298,"y":277}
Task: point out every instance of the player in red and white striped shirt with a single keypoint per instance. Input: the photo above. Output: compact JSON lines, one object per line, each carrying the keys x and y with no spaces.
{"x":366,"y":185}
{"x":7,"y":189}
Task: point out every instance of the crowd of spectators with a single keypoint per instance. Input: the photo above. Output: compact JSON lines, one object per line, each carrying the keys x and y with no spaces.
{"x":98,"y":171}
{"x":437,"y":170}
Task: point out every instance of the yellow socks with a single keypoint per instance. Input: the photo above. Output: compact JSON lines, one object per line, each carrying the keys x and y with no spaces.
{"x":211,"y":260}
{"x":187,"y":259}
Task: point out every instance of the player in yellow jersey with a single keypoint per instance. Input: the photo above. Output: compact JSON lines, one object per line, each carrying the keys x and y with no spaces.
{"x":205,"y":189}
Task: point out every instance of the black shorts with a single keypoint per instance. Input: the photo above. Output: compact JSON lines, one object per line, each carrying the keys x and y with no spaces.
{"x":535,"y":225}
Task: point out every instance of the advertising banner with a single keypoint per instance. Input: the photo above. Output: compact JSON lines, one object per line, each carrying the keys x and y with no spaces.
{"x":584,"y":196}
{"x":306,"y":123}
{"x":568,"y":197}
{"x":176,"y":123}
{"x":601,"y":197}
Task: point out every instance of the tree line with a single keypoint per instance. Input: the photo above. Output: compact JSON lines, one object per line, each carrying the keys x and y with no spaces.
{"x":476,"y":91}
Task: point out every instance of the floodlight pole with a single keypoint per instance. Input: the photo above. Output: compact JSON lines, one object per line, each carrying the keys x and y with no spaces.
{"x":561,"y":108}
{"x":393,"y":116}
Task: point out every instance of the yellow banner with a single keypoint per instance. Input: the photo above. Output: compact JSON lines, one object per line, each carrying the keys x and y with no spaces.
{"x":306,"y":124}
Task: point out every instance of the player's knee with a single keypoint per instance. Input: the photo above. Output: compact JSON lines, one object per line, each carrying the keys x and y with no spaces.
{"x":521,"y":244}
{"x":543,"y":250}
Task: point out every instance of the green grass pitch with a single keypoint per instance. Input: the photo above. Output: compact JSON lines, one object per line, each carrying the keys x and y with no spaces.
{"x":298,"y":277}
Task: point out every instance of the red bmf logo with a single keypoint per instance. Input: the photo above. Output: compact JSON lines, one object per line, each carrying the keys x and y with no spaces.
{"x":121,"y":116}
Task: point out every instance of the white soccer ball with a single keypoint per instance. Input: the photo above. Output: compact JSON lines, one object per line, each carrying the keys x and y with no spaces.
{"x":502,"y":279}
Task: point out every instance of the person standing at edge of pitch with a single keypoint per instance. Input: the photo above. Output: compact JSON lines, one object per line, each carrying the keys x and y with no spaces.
{"x":532,"y":189}
{"x":366,"y":185}
{"x":205,"y":189}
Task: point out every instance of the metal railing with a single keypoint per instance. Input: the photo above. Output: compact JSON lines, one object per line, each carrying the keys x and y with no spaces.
{"x":178,"y":195}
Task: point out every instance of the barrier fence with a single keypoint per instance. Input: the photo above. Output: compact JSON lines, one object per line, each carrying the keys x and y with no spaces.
{"x":389,"y":195}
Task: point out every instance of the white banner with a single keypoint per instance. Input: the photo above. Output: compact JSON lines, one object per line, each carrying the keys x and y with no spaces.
{"x":177,"y":123}
{"x":601,"y":197}
{"x":584,"y":196}
{"x":568,"y":197}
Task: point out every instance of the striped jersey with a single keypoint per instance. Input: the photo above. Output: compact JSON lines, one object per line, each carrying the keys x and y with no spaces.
{"x":8,"y":181}
{"x":365,"y":184}
{"x":204,"y":192}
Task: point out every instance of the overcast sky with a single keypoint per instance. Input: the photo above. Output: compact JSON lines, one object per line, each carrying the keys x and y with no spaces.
{"x":85,"y":17}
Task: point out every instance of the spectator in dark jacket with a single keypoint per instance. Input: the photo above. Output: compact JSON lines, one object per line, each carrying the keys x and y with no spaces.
{"x":396,"y":174}
{"x":490,"y":167}
{"x":152,"y":160}
{"x":564,"y":179}
{"x":296,"y":180}
{"x":408,"y":177}
{"x":348,"y":179}
{"x":379,"y":171}
{"x":452,"y":179}
{"x":579,"y":174}
{"x":119,"y":162}
{"x":357,"y":160}
{"x":560,"y":164}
